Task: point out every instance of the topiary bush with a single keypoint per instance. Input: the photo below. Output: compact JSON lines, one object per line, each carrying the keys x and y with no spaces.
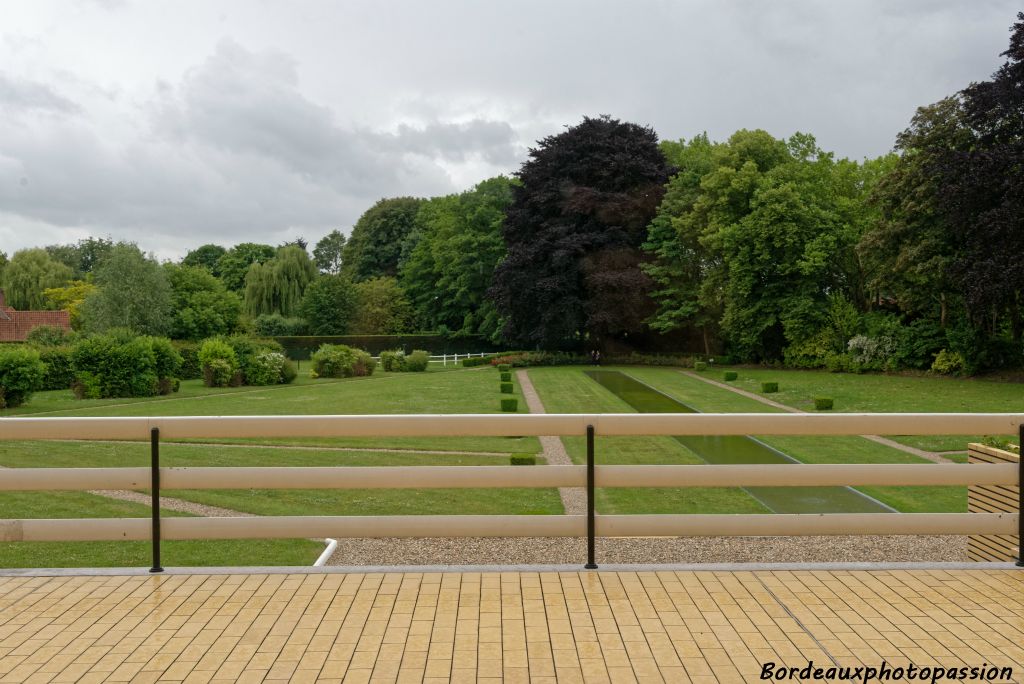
{"x":504,"y":367}
{"x":523,"y":459}
{"x":506,"y":388}
{"x":822,"y":404}
{"x":510,"y":405}
{"x":700,"y":366}
{"x":506,"y":376}
{"x":219,"y":363}
{"x":21,"y":373}
{"x":417,"y":361}
{"x":118,"y":364}
{"x":769,"y":387}
{"x":341,"y":361}
{"x":730,"y":376}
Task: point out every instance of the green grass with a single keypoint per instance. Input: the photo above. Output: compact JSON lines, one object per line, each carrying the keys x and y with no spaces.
{"x":567,"y":390}
{"x":131,"y":554}
{"x":435,"y":391}
{"x":710,"y":399}
{"x":878,"y":393}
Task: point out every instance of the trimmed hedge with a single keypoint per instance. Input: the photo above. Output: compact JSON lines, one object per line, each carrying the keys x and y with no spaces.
{"x":730,"y":376}
{"x":506,"y":376}
{"x":822,"y":404}
{"x":21,"y":374}
{"x":341,"y":361}
{"x":118,"y":364}
{"x":504,"y":367}
{"x":191,"y":369}
{"x":523,"y":459}
{"x":303,"y":346}
{"x":700,"y":366}
{"x":506,"y":388}
{"x":510,"y":405}
{"x":769,"y":387}
{"x":400,"y":362}
{"x":60,"y":373}
{"x":417,"y":362}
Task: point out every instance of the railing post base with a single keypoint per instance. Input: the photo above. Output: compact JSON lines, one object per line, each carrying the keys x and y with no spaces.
{"x":1020,"y":496}
{"x":591,"y":563}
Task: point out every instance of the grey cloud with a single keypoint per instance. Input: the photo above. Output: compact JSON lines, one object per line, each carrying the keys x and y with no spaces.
{"x":21,"y":95}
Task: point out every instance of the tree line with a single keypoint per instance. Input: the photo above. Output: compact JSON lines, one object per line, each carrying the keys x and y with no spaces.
{"x":757,"y":248}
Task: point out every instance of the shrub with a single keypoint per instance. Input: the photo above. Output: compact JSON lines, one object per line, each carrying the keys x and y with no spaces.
{"x":417,"y":362}
{"x":842,"y":363}
{"x":288,"y":372}
{"x":504,"y":367}
{"x":266,"y":368}
{"x":506,"y":388}
{"x":822,"y":404}
{"x":873,"y":353}
{"x":392,"y":361}
{"x":510,"y":405}
{"x":59,"y":371}
{"x":50,"y":336}
{"x":769,"y":387}
{"x":506,"y":376}
{"x":700,"y":366}
{"x":276,"y":325}
{"x":191,"y":369}
{"x":117,"y":364}
{"x":21,"y":373}
{"x":219,"y":363}
{"x":730,"y":376}
{"x":341,"y":361}
{"x":948,"y":363}
{"x":523,"y":459}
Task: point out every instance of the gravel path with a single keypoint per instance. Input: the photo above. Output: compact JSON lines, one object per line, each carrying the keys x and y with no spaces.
{"x":171,"y":504}
{"x":928,"y":455}
{"x":574,"y":499}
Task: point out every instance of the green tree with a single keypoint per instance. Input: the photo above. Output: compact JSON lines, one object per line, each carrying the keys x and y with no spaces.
{"x":449,"y":270}
{"x":277,"y":286}
{"x":329,"y":305}
{"x":132,"y":292}
{"x":28,"y":274}
{"x":380,"y":238}
{"x":573,"y":234}
{"x":69,"y":298}
{"x":328,"y":252}
{"x":207,"y":256}
{"x":382,"y":308}
{"x":202,"y":306}
{"x":235,"y":263}
{"x":83,"y":256}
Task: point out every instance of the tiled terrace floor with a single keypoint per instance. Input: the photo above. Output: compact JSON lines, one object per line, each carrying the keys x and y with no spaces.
{"x":600,"y":626}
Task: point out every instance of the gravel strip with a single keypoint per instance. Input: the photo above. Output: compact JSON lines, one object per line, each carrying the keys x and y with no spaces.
{"x":574,"y":499}
{"x":177,"y":505}
{"x":652,"y":550}
{"x":928,"y":455}
{"x":296,"y":447}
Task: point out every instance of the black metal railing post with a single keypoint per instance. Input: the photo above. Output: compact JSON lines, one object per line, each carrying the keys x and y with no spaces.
{"x":591,"y":564}
{"x":154,"y":459}
{"x":1020,"y":496}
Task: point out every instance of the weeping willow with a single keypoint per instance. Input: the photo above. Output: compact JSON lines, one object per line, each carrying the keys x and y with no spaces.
{"x":277,"y":286}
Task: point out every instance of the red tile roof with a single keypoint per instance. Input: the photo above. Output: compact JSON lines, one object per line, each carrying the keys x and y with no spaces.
{"x":15,"y":325}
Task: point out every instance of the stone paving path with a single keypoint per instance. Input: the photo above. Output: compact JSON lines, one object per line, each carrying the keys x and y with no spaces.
{"x":574,"y":499}
{"x":928,"y":455}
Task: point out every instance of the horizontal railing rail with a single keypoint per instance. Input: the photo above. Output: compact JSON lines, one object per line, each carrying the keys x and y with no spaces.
{"x":590,"y":476}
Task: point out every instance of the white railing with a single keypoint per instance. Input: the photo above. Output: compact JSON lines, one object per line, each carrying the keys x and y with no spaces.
{"x":444,"y":359}
{"x":425,"y":477}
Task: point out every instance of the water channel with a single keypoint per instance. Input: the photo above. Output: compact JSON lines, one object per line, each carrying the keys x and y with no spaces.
{"x":735,"y":449}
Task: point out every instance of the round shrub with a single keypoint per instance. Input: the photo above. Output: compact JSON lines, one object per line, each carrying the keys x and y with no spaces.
{"x":392,"y":361}
{"x":288,"y":372}
{"x":168,"y":360}
{"x":504,"y":367}
{"x":21,"y":374}
{"x":219,"y":363}
{"x":730,"y":376}
{"x":822,"y":404}
{"x":417,"y":362}
{"x":506,"y":377}
{"x":341,"y":361}
{"x":266,"y":368}
{"x":510,"y":405}
{"x":700,"y":366}
{"x":769,"y":387}
{"x":506,"y":388}
{"x":948,"y":363}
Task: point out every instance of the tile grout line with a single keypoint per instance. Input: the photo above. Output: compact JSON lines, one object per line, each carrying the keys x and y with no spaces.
{"x":795,"y":619}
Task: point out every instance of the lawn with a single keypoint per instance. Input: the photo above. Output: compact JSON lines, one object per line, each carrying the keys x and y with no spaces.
{"x":877,"y":393}
{"x":710,"y":399}
{"x":568,"y":390}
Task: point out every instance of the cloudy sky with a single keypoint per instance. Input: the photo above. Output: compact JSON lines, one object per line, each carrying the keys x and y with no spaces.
{"x":174,"y":124}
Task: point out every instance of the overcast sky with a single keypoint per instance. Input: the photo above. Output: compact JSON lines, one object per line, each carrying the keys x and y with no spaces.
{"x":173,"y":124}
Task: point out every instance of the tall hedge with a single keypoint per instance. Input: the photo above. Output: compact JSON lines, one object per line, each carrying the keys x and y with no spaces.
{"x":21,"y":374}
{"x":120,"y":365}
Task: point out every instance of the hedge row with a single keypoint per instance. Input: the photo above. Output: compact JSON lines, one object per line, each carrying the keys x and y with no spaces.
{"x":304,"y":346}
{"x":400,"y":362}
